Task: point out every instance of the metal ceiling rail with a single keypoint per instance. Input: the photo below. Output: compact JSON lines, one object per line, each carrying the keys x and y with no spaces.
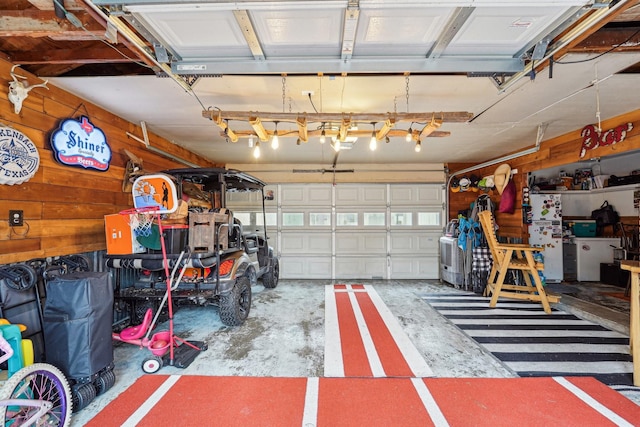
{"x":139,"y":43}
{"x":587,"y":24}
{"x":369,"y":65}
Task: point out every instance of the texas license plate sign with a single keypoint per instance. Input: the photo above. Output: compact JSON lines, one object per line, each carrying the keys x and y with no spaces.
{"x":19,"y":158}
{"x":80,"y":143}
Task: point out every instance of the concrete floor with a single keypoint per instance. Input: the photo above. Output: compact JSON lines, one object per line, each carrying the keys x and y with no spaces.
{"x":284,"y":336}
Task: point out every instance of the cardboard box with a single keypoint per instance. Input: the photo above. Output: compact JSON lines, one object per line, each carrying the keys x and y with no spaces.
{"x":121,"y":239}
{"x":202,"y":231}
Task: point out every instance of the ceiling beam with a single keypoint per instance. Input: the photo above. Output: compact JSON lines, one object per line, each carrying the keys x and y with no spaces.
{"x":49,"y":4}
{"x":457,"y":20}
{"x":349,"y":29}
{"x":350,"y":118}
{"x":94,"y":55}
{"x":623,"y":39}
{"x":44,"y":23}
{"x":316,"y":133}
{"x":249,"y":33}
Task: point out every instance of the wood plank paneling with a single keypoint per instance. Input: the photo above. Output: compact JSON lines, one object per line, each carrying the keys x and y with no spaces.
{"x":64,"y":207}
{"x":559,"y":151}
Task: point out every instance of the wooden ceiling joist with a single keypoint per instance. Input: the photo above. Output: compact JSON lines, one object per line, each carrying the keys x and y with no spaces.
{"x":93,"y":55}
{"x":44,"y":23}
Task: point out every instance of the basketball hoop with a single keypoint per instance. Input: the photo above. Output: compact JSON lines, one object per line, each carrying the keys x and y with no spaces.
{"x":142,"y":225}
{"x":140,"y":221}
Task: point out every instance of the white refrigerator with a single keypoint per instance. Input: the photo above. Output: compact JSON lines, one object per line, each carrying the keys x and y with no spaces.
{"x":546,"y":231}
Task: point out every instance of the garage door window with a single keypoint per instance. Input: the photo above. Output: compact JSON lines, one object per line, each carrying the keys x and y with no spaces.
{"x":293,"y":219}
{"x":319,"y":219}
{"x":272,"y":219}
{"x":429,"y":218}
{"x":347,"y":219}
{"x":374,"y":219}
{"x":401,"y":218}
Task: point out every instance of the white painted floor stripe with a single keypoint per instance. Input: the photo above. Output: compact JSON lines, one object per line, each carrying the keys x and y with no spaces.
{"x":414,"y":359}
{"x":429,"y":403}
{"x":586,"y":398}
{"x":529,"y":348}
{"x":518,"y":322}
{"x":499,"y":312}
{"x":310,"y":415}
{"x":611,"y":367}
{"x":538,"y":333}
{"x":333,"y":363}
{"x":144,"y":409}
{"x":369,"y":347}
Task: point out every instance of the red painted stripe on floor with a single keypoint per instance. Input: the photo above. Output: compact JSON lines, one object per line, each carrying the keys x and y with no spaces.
{"x":341,"y":286}
{"x":116,"y":412}
{"x":616,"y":402}
{"x":370,"y":402}
{"x":276,"y":401}
{"x":356,"y":363}
{"x":391,"y":357}
{"x":508,"y":402}
{"x":357,"y":286}
{"x":230,"y":401}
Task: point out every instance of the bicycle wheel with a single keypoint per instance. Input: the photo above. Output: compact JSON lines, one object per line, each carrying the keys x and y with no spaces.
{"x":37,"y":381}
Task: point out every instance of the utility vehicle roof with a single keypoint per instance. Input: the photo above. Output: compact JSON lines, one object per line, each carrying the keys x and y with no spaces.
{"x":234,"y":180}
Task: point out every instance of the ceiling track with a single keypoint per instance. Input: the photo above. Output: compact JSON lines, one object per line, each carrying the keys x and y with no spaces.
{"x":139,"y":44}
{"x":587,"y":24}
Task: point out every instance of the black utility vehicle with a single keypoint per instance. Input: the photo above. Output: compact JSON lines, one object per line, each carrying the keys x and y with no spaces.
{"x":218,"y":258}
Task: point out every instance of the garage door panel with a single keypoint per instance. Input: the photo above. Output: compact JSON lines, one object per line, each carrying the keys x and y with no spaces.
{"x":414,"y":243}
{"x":414,"y":267}
{"x":361,"y":195}
{"x":411,"y":195}
{"x":305,"y":242}
{"x":361,"y":243}
{"x":306,"y":195}
{"x":361,"y":267}
{"x":296,"y":267}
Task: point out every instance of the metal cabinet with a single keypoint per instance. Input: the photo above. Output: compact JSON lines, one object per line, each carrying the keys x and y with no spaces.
{"x":569,"y":262}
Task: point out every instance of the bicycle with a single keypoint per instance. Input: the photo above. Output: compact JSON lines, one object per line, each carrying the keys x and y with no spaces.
{"x":37,"y":395}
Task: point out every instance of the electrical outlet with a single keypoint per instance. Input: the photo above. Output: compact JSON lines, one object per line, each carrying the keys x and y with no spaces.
{"x":16,"y":218}
{"x":308,"y":93}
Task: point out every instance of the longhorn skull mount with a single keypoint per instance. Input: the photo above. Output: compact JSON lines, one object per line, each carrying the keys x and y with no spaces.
{"x":18,"y":91}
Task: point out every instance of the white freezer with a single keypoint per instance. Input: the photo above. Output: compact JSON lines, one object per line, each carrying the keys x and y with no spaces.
{"x":591,"y":252}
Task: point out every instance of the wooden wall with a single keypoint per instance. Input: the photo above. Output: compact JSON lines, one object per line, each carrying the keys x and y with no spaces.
{"x":558,"y":151}
{"x":64,"y":206}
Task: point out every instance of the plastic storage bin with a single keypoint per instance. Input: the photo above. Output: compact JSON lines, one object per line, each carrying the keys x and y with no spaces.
{"x":584,"y":228}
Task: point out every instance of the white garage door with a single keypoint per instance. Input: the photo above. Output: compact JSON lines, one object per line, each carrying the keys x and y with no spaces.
{"x":358,"y":231}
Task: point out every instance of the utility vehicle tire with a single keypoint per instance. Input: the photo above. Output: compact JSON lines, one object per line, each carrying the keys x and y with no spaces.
{"x":235,"y":305}
{"x":271,"y":277}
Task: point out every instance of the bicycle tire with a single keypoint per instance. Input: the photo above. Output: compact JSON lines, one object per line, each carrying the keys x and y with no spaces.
{"x":38,"y":381}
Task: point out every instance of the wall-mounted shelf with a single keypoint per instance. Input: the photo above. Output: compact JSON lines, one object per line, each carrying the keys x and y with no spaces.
{"x":594,"y":190}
